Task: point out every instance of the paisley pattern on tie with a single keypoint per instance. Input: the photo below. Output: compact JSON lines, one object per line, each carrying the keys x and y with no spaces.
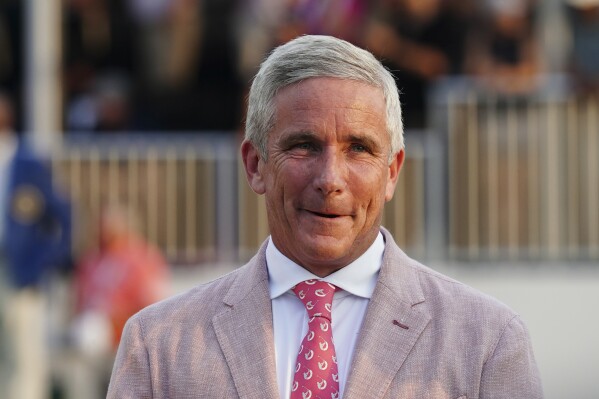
{"x":316,"y":375}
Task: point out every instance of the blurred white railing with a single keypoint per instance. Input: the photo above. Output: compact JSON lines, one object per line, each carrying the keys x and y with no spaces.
{"x":523,"y":174}
{"x":181,"y":189}
{"x":189,"y":194}
{"x":499,"y":178}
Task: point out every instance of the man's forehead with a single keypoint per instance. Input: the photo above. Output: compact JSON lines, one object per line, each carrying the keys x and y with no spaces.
{"x":316,"y":103}
{"x":322,"y":93}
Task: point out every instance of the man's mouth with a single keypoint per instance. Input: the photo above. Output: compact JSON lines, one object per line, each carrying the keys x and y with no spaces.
{"x":324,"y":215}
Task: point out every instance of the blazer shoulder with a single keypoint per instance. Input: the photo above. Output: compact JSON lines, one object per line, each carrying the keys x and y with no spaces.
{"x":448,"y":293}
{"x":466,"y":314}
{"x":206,"y":297}
{"x":441,"y":295}
{"x":201,"y":303}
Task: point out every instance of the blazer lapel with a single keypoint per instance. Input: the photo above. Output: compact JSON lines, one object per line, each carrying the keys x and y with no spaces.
{"x":245,"y":332}
{"x":391,"y":327}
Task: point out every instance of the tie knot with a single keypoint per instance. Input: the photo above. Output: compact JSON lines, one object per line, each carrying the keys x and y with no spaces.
{"x":317,"y":297}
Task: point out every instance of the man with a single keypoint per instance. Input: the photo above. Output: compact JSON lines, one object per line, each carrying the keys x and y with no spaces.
{"x":35,"y":236}
{"x":324,"y":145}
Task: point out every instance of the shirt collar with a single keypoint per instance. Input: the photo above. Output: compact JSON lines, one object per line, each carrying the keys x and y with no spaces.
{"x":358,"y":278}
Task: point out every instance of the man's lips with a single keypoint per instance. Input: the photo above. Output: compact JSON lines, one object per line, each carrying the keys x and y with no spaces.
{"x":328,"y":215}
{"x":324,"y":215}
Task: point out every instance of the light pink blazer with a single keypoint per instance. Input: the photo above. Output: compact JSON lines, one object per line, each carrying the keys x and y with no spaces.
{"x":424,"y":336}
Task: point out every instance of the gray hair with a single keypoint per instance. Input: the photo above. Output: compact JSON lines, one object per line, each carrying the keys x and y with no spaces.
{"x":314,"y":56}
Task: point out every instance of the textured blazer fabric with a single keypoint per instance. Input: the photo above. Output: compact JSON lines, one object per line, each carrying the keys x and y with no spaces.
{"x":424,"y":336}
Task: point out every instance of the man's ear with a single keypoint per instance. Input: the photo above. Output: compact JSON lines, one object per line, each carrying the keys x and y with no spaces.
{"x":394,"y":169}
{"x":251,"y":162}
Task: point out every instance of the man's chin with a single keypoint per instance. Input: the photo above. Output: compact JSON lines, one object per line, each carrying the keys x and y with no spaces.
{"x":326,"y":251}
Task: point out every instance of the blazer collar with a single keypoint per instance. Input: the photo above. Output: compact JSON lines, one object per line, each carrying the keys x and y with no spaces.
{"x":398,"y":274}
{"x":245,"y":332}
{"x":391,"y":327}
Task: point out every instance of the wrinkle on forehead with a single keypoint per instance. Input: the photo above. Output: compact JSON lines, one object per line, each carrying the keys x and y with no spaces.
{"x":308,"y":95}
{"x":305,"y":93}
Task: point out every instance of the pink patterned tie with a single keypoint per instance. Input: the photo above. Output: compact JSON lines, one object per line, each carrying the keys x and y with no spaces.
{"x":316,"y":375}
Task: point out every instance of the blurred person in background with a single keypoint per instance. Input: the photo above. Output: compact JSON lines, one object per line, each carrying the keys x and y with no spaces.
{"x":112,"y":283}
{"x":420,"y":41}
{"x":98,"y":39}
{"x":104,"y":109}
{"x":583,"y":18}
{"x":264,"y":24}
{"x":35,"y":237}
{"x":169,"y":37}
{"x":208,"y":96}
{"x":100,"y":60}
{"x":504,"y":51}
{"x":343,"y":19}
{"x":256,"y":25}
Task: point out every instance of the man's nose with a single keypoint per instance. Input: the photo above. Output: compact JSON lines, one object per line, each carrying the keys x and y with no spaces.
{"x":330,"y":175}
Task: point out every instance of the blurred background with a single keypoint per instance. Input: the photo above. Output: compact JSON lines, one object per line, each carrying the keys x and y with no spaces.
{"x":127,"y":115}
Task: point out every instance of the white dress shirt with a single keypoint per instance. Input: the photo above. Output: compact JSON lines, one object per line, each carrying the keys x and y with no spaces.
{"x":290,"y":318}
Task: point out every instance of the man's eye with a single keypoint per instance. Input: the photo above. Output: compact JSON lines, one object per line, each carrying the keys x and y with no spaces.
{"x":359,"y":148}
{"x":304,"y":146}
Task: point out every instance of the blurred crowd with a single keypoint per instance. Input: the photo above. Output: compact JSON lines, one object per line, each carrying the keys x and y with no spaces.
{"x":172,"y":65}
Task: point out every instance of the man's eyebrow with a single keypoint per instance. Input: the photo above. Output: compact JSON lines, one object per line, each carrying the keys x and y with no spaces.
{"x":363,"y":139}
{"x":298,"y":137}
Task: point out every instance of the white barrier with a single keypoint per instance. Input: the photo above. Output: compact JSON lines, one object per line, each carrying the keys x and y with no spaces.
{"x":190,"y":197}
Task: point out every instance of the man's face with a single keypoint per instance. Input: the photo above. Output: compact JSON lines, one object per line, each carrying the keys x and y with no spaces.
{"x":328,"y":174}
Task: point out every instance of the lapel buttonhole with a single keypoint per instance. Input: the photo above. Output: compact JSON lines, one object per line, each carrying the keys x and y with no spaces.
{"x":400,"y":324}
